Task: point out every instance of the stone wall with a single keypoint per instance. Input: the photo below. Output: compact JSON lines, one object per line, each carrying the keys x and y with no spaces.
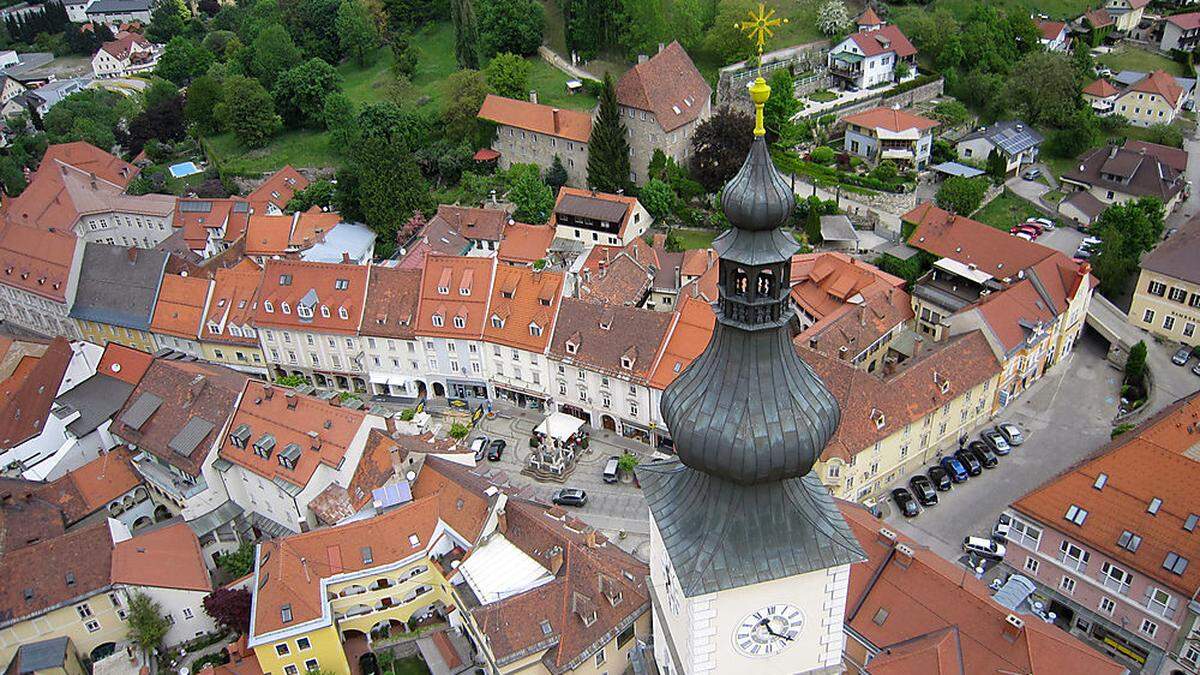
{"x":732,"y":79}
{"x":925,"y":92}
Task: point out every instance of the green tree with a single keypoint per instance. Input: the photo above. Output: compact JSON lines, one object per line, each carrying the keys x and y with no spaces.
{"x":341,"y":120}
{"x":961,"y":195}
{"x":1165,"y":134}
{"x":318,"y":193}
{"x":645,"y":25}
{"x":12,"y":176}
{"x":556,"y":175}
{"x":996,"y":166}
{"x":357,"y":34}
{"x":719,"y":147}
{"x":724,"y":39}
{"x":1126,"y":231}
{"x":466,"y":34}
{"x":658,"y":198}
{"x":147,"y":625}
{"x":386,"y":184}
{"x":159,"y":92}
{"x":1135,"y":364}
{"x":608,"y":148}
{"x":1080,"y":132}
{"x":92,"y":115}
{"x":466,"y":90}
{"x":508,"y":75}
{"x":405,"y":55}
{"x":534,"y":200}
{"x":778,"y":112}
{"x":687,"y":20}
{"x":248,"y":111}
{"x":1044,"y":88}
{"x":300,"y":93}
{"x":183,"y":59}
{"x":203,"y":95}
{"x":168,"y":20}
{"x":512,"y":26}
{"x":272,"y":53}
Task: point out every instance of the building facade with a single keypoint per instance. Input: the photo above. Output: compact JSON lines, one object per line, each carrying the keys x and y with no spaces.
{"x":1166,"y":299}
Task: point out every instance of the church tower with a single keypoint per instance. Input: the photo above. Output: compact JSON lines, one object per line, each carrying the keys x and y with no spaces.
{"x":749,"y":556}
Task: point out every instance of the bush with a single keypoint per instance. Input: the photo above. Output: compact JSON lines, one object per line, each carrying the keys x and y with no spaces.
{"x":292,"y":381}
{"x":1120,"y":429}
{"x":216,"y":659}
{"x":823,"y":155}
{"x":407,"y":415}
{"x":238,"y":563}
{"x":919,"y":81}
{"x":627,"y":462}
{"x":459,"y":431}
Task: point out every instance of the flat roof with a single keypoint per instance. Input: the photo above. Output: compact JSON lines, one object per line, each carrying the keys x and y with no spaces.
{"x":957,"y":169}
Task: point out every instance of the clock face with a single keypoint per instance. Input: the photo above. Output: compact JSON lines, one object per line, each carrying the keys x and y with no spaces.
{"x":768,"y":631}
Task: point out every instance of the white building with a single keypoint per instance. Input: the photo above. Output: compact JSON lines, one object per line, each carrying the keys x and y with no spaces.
{"x":129,"y":54}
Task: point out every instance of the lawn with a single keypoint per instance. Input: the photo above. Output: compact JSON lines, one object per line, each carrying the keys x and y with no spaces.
{"x":1005,"y":211}
{"x":410,"y":665}
{"x":693,"y":238}
{"x":1131,"y":58}
{"x":300,"y":148}
{"x":822,"y":96}
{"x":1057,"y":9}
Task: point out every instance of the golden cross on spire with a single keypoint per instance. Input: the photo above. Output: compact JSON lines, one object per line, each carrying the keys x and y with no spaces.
{"x":758,"y":27}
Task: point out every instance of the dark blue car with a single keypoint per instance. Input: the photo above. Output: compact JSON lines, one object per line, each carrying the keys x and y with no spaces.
{"x":958,"y":472}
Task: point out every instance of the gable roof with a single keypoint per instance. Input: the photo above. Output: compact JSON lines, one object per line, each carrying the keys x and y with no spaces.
{"x":278,"y":189}
{"x":971,"y":242}
{"x":72,"y":566}
{"x":455,"y":287}
{"x":1143,"y":172}
{"x":869,"y":18}
{"x":1176,"y":158}
{"x":124,"y":363}
{"x":890,"y":119}
{"x":233,"y":302}
{"x":25,"y":516}
{"x":121,"y":47}
{"x":1188,"y":21}
{"x":118,"y":286}
{"x":393,"y":295}
{"x":323,"y":288}
{"x":27,"y":396}
{"x":474,"y":223}
{"x":668,"y":85}
{"x":180,"y":307}
{"x":524,"y":244}
{"x":268,"y":235}
{"x":1100,"y":88}
{"x":1160,"y":83}
{"x":1051,"y":30}
{"x":1010,"y":136}
{"x":603,"y":335}
{"x":1178,"y":256}
{"x":91,"y":487}
{"x":883,"y":40}
{"x":1099,"y":18}
{"x":197,"y":216}
{"x":572,"y":125}
{"x":523,"y":297}
{"x":689,"y":334}
{"x":165,"y":556}
{"x":46,"y":202}
{"x":37,"y":261}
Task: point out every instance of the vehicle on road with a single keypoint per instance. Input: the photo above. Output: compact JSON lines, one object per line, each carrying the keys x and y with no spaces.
{"x":984,"y":454}
{"x":1032,"y":173}
{"x":939,"y":477}
{"x":996,"y":441}
{"x":983,"y":547}
{"x":1002,"y":528}
{"x":958,"y":472}
{"x":610,"y":469}
{"x":1011,"y":433}
{"x":969,"y":461}
{"x":1182,"y":356}
{"x":906,"y":502}
{"x":479,"y":446}
{"x":922,"y":489}
{"x":496,"y":449}
{"x":570,"y":497}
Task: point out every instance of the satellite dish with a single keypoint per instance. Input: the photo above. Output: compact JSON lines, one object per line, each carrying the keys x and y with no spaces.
{"x":411,"y":476}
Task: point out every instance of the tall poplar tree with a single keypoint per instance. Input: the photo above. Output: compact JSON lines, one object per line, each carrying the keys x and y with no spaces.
{"x":608,"y":148}
{"x":466,"y":34}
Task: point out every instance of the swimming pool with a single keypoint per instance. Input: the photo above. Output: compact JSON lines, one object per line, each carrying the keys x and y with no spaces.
{"x":183,"y":169}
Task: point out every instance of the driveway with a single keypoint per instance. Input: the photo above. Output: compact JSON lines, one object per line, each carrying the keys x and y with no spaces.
{"x":1063,"y":239}
{"x":1030,"y":190}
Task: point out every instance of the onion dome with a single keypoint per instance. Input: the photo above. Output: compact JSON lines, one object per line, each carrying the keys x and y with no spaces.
{"x":758,"y":198}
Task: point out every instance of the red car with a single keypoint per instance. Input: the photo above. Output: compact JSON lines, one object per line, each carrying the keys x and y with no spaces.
{"x":1025,"y":229}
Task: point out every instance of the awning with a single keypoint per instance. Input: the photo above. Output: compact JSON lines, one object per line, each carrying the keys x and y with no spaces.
{"x":486,"y":155}
{"x":957,"y":169}
{"x":560,"y":426}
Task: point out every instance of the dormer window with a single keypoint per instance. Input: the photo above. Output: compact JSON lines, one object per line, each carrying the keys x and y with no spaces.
{"x":264,"y":446}
{"x":343,"y":314}
{"x":535,"y":330}
{"x":626,"y":363}
{"x":285,"y":308}
{"x":438,"y":320}
{"x":247,"y":331}
{"x":341,"y":284}
{"x":506,"y":294}
{"x":285,"y":614}
{"x":235,"y":331}
{"x":304,"y":311}
{"x":572,"y":347}
{"x":414,"y":540}
{"x":460,"y":322}
{"x":465,"y":290}
{"x":497,"y":322}
{"x":324,"y":311}
{"x":268,"y":306}
{"x":240,"y":436}
{"x":214,"y":328}
{"x":878,"y":418}
{"x":285,"y":280}
{"x":443,"y":290}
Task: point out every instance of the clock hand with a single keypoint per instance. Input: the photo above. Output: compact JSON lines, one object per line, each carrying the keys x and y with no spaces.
{"x":766,"y":623}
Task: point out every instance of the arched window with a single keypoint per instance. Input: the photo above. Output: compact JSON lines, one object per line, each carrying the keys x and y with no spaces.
{"x":740,"y":282}
{"x":764,"y":287}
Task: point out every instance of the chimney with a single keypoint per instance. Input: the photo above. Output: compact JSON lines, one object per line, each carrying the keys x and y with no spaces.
{"x":842,"y":352}
{"x":92,"y":180}
{"x":315,"y":440}
{"x":904,"y":555}
{"x":590,"y":539}
{"x":642,"y":58}
{"x":556,"y":560}
{"x":661,"y":46}
{"x":533,"y":96}
{"x":194,"y":390}
{"x":291,"y":400}
{"x":886,"y":536}
{"x":813,"y":342}
{"x":501,"y":521}
{"x":678,"y":278}
{"x":389,"y":423}
{"x":346,"y":258}
{"x":918,"y":345}
{"x":1112,"y":151}
{"x":1013,"y":625}
{"x":554,"y":114}
{"x":268,"y":391}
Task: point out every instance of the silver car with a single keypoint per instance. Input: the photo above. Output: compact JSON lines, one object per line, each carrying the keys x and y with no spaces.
{"x":1011,"y":433}
{"x":1182,"y":356}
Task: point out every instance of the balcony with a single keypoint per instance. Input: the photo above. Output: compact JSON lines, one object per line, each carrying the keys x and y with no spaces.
{"x":168,"y":481}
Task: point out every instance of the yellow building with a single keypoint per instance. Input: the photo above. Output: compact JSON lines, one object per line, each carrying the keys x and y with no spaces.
{"x":103,"y":333}
{"x":460,"y":555}
{"x":898,"y":421}
{"x":1154,"y":99}
{"x":1166,"y":300}
{"x":116,"y":296}
{"x":53,"y":656}
{"x":61,"y":587}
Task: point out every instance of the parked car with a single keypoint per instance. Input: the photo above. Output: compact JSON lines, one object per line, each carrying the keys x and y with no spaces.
{"x":1082,"y":254}
{"x":922,"y":489}
{"x":958,"y":472}
{"x":906,"y":502}
{"x":1011,"y":433}
{"x":939,"y":477}
{"x":984,"y":454}
{"x":1046,"y":223}
{"x":1002,"y":528}
{"x":496,"y":449}
{"x":570,"y":497}
{"x":1032,"y":173}
{"x":995,"y":440}
{"x":1033,"y":224}
{"x":1090,"y":243}
{"x":969,"y":461}
{"x":983,"y":547}
{"x":610,"y":469}
{"x":1196,"y":369}
{"x":1023,"y":235}
{"x":479,"y":446}
{"x":1026,"y":230}
{"x":1182,"y":356}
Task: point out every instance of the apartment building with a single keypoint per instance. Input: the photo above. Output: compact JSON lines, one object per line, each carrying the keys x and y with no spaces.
{"x":521,"y":318}
{"x":1166,"y":300}
{"x":39,"y":272}
{"x":228,"y":335}
{"x":308,"y":318}
{"x":394,"y":354}
{"x":117,"y":292}
{"x":596,"y":218}
{"x":451,"y":313}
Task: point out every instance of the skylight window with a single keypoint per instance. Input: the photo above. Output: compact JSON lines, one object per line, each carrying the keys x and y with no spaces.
{"x":1155,"y":503}
{"x":1175,"y":563}
{"x":1076,"y":515}
{"x":1101,"y":481}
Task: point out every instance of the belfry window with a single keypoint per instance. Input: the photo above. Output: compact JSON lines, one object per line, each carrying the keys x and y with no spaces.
{"x":766,"y":282}
{"x":740,"y":281}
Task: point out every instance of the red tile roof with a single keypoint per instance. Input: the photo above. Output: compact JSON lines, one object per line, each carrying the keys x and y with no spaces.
{"x":689,"y":335}
{"x":869,"y":18}
{"x":37,"y":261}
{"x":824,"y":282}
{"x":474,"y":223}
{"x":882,"y":41}
{"x":970,"y":242}
{"x":1161,"y":83}
{"x":1158,"y":459}
{"x":234,"y":302}
{"x":40,"y":572}
{"x":599,"y":337}
{"x":524,"y":302}
{"x":278,"y":189}
{"x":1099,"y":18}
{"x":286,"y":282}
{"x":124,"y":363}
{"x":179,"y":310}
{"x":455,"y":288}
{"x":525,"y":244}
{"x":1051,"y":29}
{"x":459,"y":492}
{"x":1176,"y":158}
{"x":543,"y":119}
{"x":668,"y":85}
{"x":1101,"y":88}
{"x":197,"y":216}
{"x":163,"y":557}
{"x":90,"y":488}
{"x":25,"y":516}
{"x":46,"y":203}
{"x":929,"y":617}
{"x":576,"y":196}
{"x":393,"y":295}
{"x":120,"y":47}
{"x":323,"y":430}
{"x":268,"y":235}
{"x":1189,"y":21}
{"x":311,"y":227}
{"x":27,"y":396}
{"x":890,"y":119}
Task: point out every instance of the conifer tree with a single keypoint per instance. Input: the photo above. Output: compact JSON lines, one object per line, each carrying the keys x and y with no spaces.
{"x":608,"y":148}
{"x":466,"y":34}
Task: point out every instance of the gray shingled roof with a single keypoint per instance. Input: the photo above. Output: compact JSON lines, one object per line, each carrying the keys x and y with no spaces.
{"x":190,"y":436}
{"x":118,"y":286}
{"x":720,"y":535}
{"x":37,"y":656}
{"x":96,"y":399}
{"x":118,"y":6}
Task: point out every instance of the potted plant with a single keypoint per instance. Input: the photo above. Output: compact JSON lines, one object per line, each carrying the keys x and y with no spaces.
{"x":626,"y":463}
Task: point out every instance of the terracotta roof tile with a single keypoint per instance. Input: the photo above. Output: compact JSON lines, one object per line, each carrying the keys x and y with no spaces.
{"x":393,"y":295}
{"x":90,"y":488}
{"x":374,"y":470}
{"x":1161,"y":83}
{"x":278,"y":189}
{"x":602,"y":335}
{"x":124,"y":363}
{"x":970,"y":242}
{"x":668,"y":85}
{"x":234,"y":302}
{"x":197,"y":216}
{"x":1176,"y":158}
{"x":569,"y":124}
{"x":1050,"y":30}
{"x":460,"y":494}
{"x":525,"y":244}
{"x":46,"y":203}
{"x":869,"y":18}
{"x":26,"y":517}
{"x":890,"y":119}
{"x":474,"y":223}
{"x":1100,"y":88}
{"x":179,"y":310}
{"x":37,"y":261}
{"x":330,"y":287}
{"x":268,"y":235}
{"x":120,"y":47}
{"x":689,"y":335}
{"x":167,"y":556}
{"x":524,"y":303}
{"x":71,"y":566}
{"x":27,"y":396}
{"x":454,"y":287}
{"x":883,"y":40}
{"x":1189,"y":21}
{"x":1147,"y":173}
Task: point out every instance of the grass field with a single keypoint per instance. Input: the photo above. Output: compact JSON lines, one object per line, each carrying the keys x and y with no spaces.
{"x":1131,"y":58}
{"x":1005,"y":211}
{"x":691,"y":239}
{"x":1056,"y":9}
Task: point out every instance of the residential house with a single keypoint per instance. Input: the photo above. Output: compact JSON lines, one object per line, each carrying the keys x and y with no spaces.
{"x":1016,"y":142}
{"x":127,"y":55}
{"x":601,"y":360}
{"x":911,"y":611}
{"x":483,"y":228}
{"x":228,"y":335}
{"x":313,"y":235}
{"x":617,"y":275}
{"x":39,"y":272}
{"x":277,"y":190}
{"x":1154,"y":99}
{"x":900,"y":418}
{"x":871,"y":56}
{"x":1096,"y":25}
{"x":521,"y":313}
{"x":886,"y":134}
{"x":530,"y":133}
{"x":522,"y":244}
{"x":56,"y":656}
{"x":179,"y":313}
{"x":118,"y":289}
{"x":1114,"y":175}
{"x":436,"y":237}
{"x":1108,"y":544}
{"x":1180,"y":32}
{"x":662,"y":100}
{"x":451,"y":313}
{"x":594,"y":217}
{"x":1126,"y":14}
{"x":1055,"y":35}
{"x":210,"y":226}
{"x":283,"y":448}
{"x":165,"y":564}
{"x":116,"y":12}
{"x":1102,"y":96}
{"x":308,"y":319}
{"x":10,"y":88}
{"x":394,"y":356}
{"x":1166,"y":299}
{"x":43,"y":98}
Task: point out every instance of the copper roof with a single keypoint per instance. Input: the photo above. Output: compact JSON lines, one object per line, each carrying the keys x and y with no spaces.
{"x":668,"y":85}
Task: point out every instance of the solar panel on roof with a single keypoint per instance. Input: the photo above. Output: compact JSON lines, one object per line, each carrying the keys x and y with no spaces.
{"x":141,"y":410}
{"x":195,"y":207}
{"x":241,"y":207}
{"x":391,"y":495}
{"x":190,"y":436}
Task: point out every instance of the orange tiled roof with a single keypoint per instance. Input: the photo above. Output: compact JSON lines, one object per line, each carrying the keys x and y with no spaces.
{"x":1101,"y":88}
{"x":883,"y":40}
{"x":197,"y":216}
{"x":869,"y":18}
{"x":27,"y":396}
{"x":124,"y":363}
{"x":38,"y":572}
{"x":333,"y":287}
{"x":454,"y":287}
{"x":889,"y":118}
{"x":233,"y":303}
{"x":179,"y":310}
{"x":312,"y":226}
{"x":474,"y":223}
{"x":393,"y":294}
{"x":524,"y":301}
{"x":689,"y":335}
{"x":668,"y":85}
{"x":37,"y":261}
{"x":1050,"y":30}
{"x":823,"y":282}
{"x":599,"y":337}
{"x":46,"y":203}
{"x":970,"y":242}
{"x":89,"y":488}
{"x":524,"y":244}
{"x":163,"y":557}
{"x":543,"y":119}
{"x":268,"y":235}
{"x":278,"y":189}
{"x":1160,"y":83}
